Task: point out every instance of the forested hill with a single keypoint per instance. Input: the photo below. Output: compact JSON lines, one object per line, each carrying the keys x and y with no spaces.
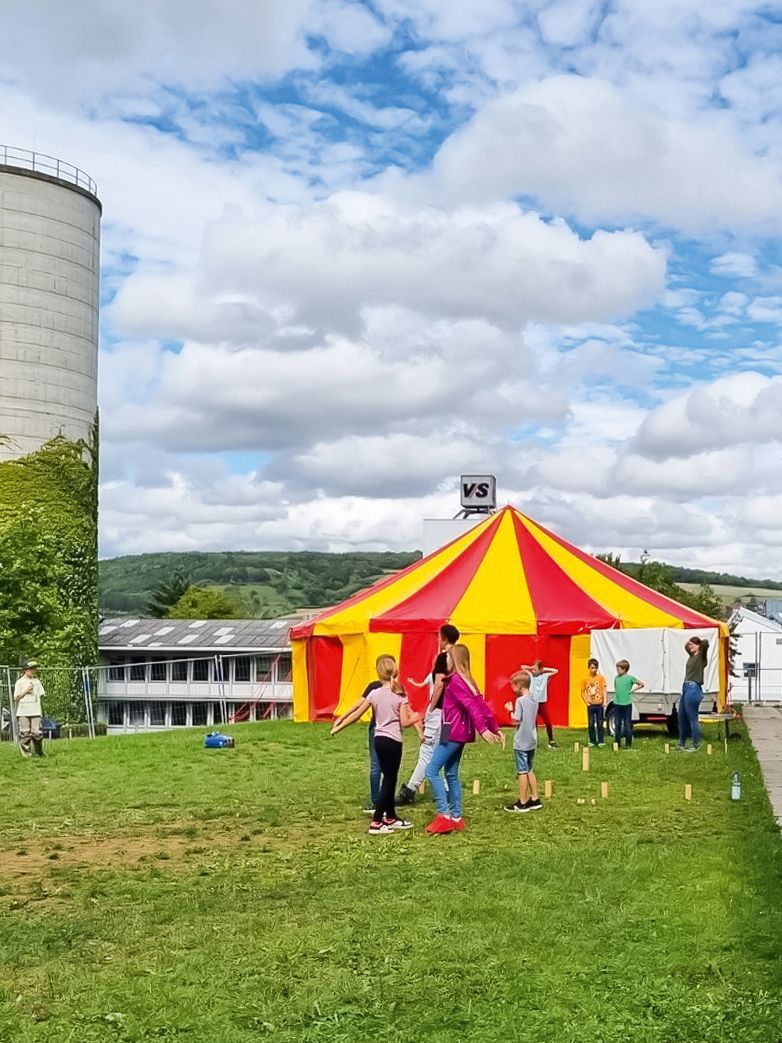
{"x":680,"y":574}
{"x":264,"y":583}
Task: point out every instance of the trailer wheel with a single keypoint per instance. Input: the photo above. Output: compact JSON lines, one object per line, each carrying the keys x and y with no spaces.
{"x":672,"y":724}
{"x":611,"y":721}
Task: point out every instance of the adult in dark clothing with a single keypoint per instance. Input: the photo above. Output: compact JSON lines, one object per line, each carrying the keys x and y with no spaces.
{"x":692,"y":693}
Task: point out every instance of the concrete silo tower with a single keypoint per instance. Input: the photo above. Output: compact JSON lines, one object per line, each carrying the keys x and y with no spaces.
{"x":49,"y":268}
{"x":49,"y":280}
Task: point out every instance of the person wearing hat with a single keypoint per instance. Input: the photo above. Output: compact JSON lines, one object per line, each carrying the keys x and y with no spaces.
{"x":28,"y":693}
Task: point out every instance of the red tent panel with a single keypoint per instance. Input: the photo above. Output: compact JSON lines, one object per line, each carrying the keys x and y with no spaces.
{"x":415,"y":660}
{"x":504,"y":655}
{"x":561,"y":607}
{"x":433,"y":604}
{"x":324,"y":676}
{"x":555,"y":651}
{"x":686,"y":615}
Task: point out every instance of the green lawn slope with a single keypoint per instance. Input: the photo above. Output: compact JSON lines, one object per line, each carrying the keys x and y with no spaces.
{"x":151,"y":889}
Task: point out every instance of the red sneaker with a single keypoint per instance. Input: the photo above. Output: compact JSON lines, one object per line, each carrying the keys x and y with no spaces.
{"x":458,"y":824}
{"x":441,"y":824}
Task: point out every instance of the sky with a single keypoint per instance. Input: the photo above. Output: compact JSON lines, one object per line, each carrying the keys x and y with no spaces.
{"x":351,"y":250}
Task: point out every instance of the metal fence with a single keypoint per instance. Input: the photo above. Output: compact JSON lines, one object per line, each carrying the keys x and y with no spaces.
{"x":39,"y":162}
{"x":142,"y":696}
{"x":757,"y":667}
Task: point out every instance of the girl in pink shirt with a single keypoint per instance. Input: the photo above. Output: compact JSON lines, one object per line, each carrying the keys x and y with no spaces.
{"x":392,"y":713}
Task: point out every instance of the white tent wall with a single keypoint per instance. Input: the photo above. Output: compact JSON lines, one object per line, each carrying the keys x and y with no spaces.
{"x":657,"y":656}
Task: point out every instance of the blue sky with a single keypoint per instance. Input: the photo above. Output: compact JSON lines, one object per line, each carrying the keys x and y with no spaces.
{"x":351,"y":250}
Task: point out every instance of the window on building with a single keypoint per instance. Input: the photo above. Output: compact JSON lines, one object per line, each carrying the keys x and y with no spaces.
{"x":137,"y":718}
{"x":200,"y":669}
{"x":116,"y":714}
{"x":138,"y":671}
{"x":157,"y":715}
{"x":199,"y":713}
{"x":264,"y":665}
{"x":179,"y":715}
{"x":284,"y":669}
{"x":116,"y":670}
{"x":179,"y":670}
{"x":242,"y":668}
{"x":157,"y":671}
{"x":217,"y":713}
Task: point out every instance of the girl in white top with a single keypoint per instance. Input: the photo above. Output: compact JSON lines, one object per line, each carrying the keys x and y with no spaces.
{"x":392,"y":713}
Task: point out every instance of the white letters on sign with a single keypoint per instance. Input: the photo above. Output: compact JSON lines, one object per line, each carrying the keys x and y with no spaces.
{"x":479,"y":490}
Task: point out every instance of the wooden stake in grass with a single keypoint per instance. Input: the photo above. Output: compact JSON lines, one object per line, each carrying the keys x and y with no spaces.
{"x":667,"y":747}
{"x":725,"y":740}
{"x":616,"y":747}
{"x":422,"y":789}
{"x":688,"y":792}
{"x":576,"y":746}
{"x":476,"y":787}
{"x":708,"y":749}
{"x":585,"y":759}
{"x":604,"y":790}
{"x":548,"y":789}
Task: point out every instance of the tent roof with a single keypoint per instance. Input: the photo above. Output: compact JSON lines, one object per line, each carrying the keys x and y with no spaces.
{"x":507,"y":575}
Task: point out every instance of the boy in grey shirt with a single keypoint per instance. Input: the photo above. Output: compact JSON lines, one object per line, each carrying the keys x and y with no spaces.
{"x":525,"y":742}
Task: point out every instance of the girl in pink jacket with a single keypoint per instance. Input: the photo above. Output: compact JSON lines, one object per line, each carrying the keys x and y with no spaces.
{"x":464,"y":713}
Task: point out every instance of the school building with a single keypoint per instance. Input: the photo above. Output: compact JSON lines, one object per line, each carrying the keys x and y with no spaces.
{"x":157,"y":674}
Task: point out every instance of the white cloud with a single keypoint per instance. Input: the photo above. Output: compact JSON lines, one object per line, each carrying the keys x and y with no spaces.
{"x":320,"y":265}
{"x":743,"y":408}
{"x":586,"y":147}
{"x":81,"y":52}
{"x":735,"y":263}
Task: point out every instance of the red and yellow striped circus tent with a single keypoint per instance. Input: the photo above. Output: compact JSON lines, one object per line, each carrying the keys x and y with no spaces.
{"x":515,"y":590}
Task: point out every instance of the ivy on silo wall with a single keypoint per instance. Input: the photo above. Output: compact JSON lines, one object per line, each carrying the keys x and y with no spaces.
{"x":49,"y":566}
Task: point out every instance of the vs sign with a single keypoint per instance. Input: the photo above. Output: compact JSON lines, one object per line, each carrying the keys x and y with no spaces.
{"x":479,"y":491}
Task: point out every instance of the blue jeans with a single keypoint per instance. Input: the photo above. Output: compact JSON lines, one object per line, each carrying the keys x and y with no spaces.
{"x":446,"y":758}
{"x":623,"y":715}
{"x":595,"y":716}
{"x":689,"y":705}
{"x":374,"y":768}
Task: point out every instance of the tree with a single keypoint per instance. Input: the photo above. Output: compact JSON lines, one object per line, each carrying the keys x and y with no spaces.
{"x":166,"y":595}
{"x":659,"y":576}
{"x":204,"y":603}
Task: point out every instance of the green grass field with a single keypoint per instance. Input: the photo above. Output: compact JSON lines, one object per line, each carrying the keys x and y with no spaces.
{"x":151,"y":889}
{"x":728,"y":594}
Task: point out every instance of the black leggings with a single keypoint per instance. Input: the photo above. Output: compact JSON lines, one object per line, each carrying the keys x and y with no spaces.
{"x":389,"y":753}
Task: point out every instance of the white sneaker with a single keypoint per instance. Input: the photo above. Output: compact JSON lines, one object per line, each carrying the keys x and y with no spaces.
{"x":397,"y":823}
{"x":376,"y":828}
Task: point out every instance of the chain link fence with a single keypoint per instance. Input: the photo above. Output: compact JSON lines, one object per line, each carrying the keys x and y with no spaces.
{"x":132,"y":695}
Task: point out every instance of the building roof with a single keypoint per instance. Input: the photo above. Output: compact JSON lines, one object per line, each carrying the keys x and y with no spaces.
{"x":508,"y":575}
{"x":121,"y":634}
{"x":748,"y":622}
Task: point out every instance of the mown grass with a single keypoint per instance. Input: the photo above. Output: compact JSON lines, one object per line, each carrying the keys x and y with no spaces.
{"x":226,"y":896}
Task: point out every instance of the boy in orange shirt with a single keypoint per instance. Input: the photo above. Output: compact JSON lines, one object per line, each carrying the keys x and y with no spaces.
{"x":593,"y":692}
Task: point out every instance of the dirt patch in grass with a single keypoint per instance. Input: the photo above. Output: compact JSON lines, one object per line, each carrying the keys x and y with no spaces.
{"x":35,"y":858}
